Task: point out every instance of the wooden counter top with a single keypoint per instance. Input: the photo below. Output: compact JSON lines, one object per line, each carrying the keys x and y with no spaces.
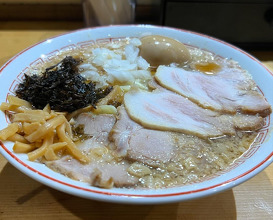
{"x":23,"y":198}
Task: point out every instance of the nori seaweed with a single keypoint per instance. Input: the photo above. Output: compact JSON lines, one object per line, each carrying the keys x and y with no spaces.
{"x":62,"y":87}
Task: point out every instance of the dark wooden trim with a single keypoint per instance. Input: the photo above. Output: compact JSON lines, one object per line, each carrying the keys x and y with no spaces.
{"x":49,"y":12}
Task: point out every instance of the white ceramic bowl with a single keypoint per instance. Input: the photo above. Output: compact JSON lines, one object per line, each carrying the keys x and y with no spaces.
{"x":258,"y":157}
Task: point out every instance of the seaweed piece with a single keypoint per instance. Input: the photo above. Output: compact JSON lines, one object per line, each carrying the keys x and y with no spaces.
{"x":62,"y":87}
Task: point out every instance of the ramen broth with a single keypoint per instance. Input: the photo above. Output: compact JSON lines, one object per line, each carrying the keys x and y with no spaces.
{"x":195,"y":158}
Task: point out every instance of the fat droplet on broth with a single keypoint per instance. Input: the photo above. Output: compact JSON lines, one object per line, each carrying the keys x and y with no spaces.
{"x":208,"y":68}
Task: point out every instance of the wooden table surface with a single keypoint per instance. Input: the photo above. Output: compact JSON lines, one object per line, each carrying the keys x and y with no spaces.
{"x":23,"y":198}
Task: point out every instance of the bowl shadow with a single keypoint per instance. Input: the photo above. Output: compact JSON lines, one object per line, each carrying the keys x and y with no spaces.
{"x":212,"y":207}
{"x":19,"y":191}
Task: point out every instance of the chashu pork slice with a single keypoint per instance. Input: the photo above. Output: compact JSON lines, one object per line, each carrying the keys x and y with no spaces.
{"x":102,"y":171}
{"x":168,"y":111}
{"x":97,"y":173}
{"x":151,"y":147}
{"x":228,"y":91}
{"x":97,"y":126}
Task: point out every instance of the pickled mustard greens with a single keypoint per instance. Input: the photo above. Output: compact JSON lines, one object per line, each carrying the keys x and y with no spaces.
{"x":62,"y":87}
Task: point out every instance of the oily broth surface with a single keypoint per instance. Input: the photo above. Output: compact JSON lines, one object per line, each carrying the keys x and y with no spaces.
{"x":194,"y":158}
{"x":197,"y":158}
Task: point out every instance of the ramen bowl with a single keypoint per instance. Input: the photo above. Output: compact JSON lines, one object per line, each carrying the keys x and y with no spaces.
{"x":253,"y":161}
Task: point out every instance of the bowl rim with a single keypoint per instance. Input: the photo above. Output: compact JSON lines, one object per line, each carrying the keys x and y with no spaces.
{"x":131,"y":197}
